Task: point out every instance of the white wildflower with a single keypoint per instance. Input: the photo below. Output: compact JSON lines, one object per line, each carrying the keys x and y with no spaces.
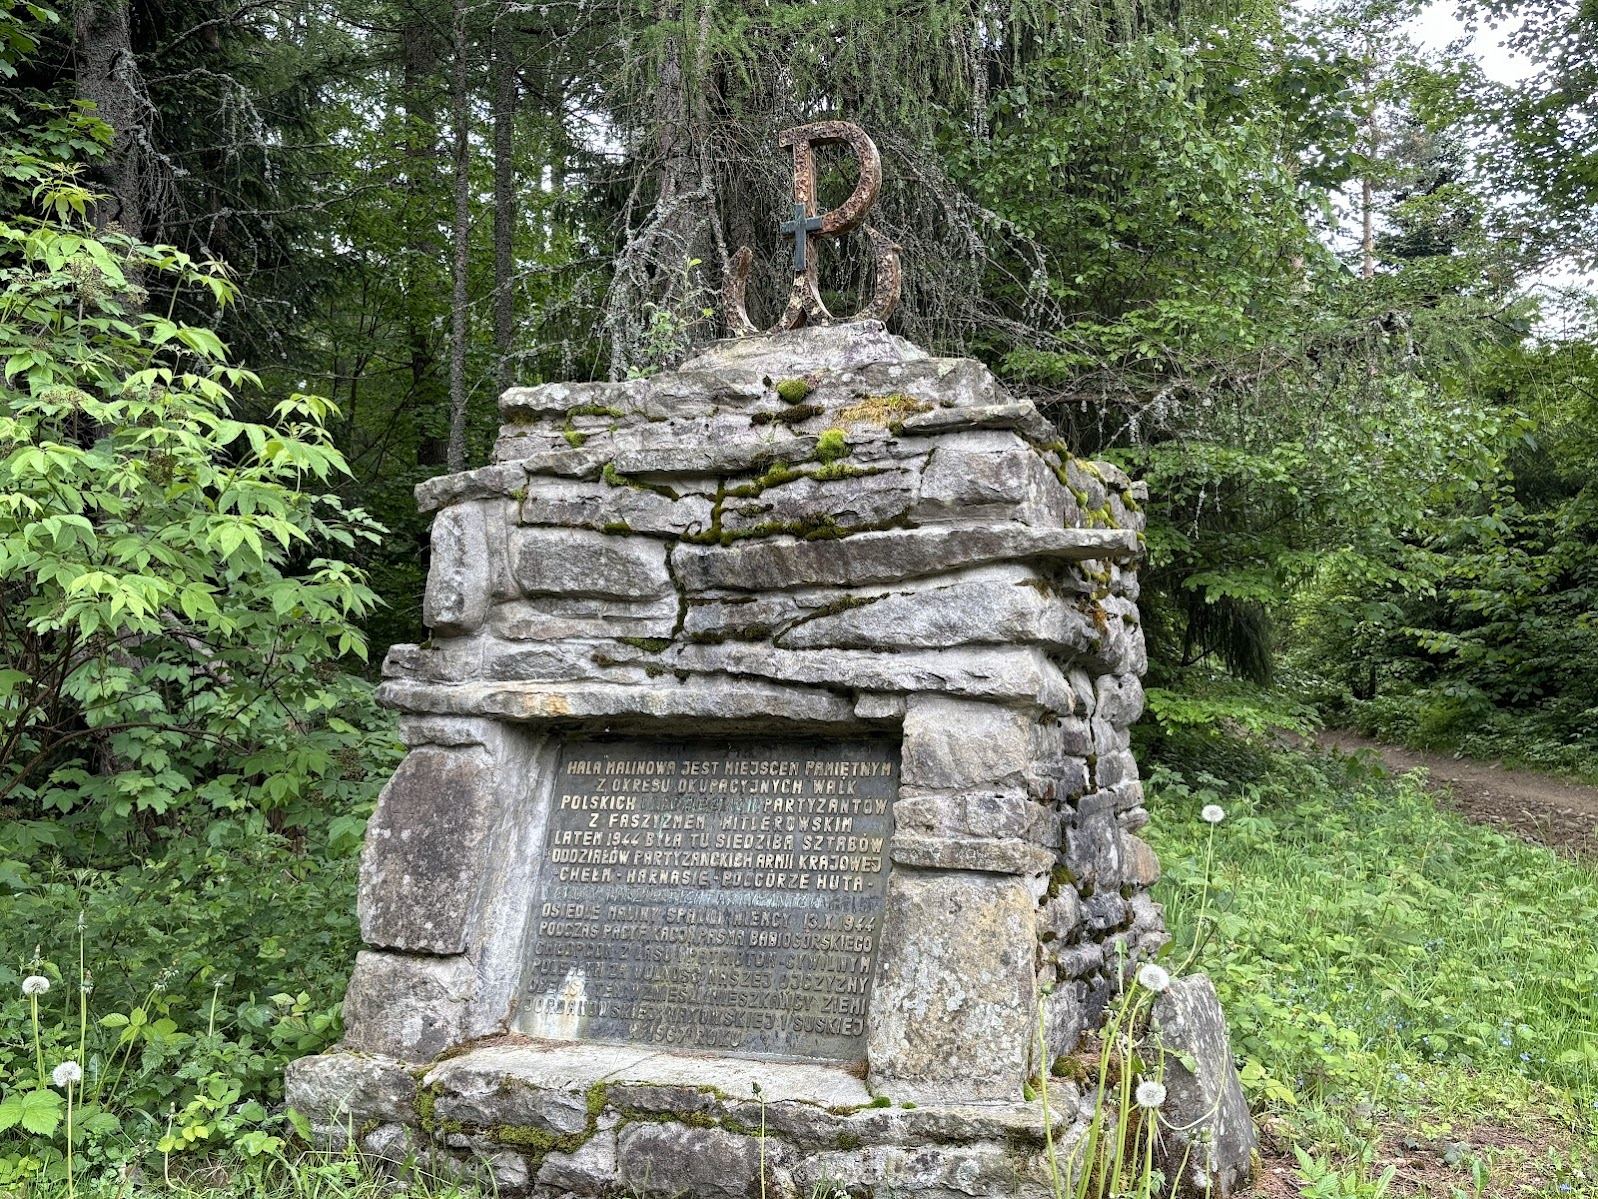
{"x":35,"y":984}
{"x":66,"y":1073}
{"x":1150,"y":1093}
{"x":1213,"y":813}
{"x":1155,"y":978}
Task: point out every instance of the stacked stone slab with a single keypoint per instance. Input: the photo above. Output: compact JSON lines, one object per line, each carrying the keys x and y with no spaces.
{"x":821,"y":533}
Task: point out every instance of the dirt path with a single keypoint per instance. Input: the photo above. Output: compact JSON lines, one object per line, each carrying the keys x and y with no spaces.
{"x":1548,"y":810}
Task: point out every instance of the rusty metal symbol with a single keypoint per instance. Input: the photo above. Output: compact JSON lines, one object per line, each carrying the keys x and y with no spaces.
{"x":804,"y":298}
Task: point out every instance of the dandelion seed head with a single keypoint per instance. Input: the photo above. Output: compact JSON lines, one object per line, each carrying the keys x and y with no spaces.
{"x":1212,"y":813}
{"x":35,"y":984}
{"x":1155,"y":978}
{"x":1150,"y":1094}
{"x":66,"y":1073}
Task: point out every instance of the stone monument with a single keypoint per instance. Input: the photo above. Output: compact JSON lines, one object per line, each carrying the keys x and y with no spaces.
{"x":769,"y":819}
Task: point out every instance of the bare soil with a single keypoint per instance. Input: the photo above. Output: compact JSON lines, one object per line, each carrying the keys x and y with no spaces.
{"x":1553,"y":812}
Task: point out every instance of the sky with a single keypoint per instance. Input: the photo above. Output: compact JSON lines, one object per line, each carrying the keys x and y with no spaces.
{"x":1438,"y":26}
{"x":1435,"y":29}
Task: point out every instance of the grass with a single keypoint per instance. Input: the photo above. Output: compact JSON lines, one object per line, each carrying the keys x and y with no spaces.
{"x":1404,"y":989}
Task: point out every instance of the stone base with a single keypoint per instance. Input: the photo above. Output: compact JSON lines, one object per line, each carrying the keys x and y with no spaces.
{"x":557,"y":1119}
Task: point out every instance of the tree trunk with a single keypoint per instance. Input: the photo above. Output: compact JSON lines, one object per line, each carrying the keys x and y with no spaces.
{"x":418,"y":57}
{"x":108,"y":75}
{"x":504,"y":206}
{"x":460,"y":236}
{"x":1367,"y":267}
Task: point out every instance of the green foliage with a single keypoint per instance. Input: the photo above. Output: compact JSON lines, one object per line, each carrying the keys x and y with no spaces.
{"x":1471,"y":631}
{"x":181,"y":985}
{"x":173,"y":604}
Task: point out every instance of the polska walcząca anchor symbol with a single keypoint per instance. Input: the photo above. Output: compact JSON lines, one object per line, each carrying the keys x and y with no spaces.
{"x":804,"y":298}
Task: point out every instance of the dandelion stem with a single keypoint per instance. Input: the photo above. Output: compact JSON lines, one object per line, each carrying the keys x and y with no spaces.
{"x":71,"y":1192}
{"x":1204,"y":898}
{"x":83,"y":998}
{"x":38,"y":1047}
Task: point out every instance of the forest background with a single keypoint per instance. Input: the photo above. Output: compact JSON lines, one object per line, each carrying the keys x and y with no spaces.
{"x":266,"y":265}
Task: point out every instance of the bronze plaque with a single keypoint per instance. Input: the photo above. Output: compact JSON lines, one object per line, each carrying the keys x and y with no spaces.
{"x":713,"y":896}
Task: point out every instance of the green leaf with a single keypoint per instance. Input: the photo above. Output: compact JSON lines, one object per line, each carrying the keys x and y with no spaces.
{"x":41,"y":1112}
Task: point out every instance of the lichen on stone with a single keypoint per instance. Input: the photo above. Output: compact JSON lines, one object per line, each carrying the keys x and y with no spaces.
{"x":884,"y":411}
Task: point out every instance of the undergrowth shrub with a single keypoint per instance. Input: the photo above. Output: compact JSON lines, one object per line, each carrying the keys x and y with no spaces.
{"x":181,"y":985}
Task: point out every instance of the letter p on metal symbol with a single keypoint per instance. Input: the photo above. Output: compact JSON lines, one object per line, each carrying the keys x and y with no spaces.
{"x":804,"y":298}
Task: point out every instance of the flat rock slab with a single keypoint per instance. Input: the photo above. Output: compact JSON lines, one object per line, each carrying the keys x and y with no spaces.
{"x":888,"y":556}
{"x":576,"y":1067}
{"x":719,"y":698}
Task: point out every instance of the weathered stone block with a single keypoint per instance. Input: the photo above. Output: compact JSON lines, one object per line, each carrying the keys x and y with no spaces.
{"x":1205,"y":1111}
{"x":1060,"y":916}
{"x":588,"y":1170}
{"x":1119,"y":698}
{"x":421,"y":862}
{"x":1022,"y":676}
{"x":558,"y":617}
{"x":987,"y":814}
{"x":713,"y":456}
{"x":966,"y":482}
{"x":798,"y":352}
{"x":1008,"y":856}
{"x":615,"y":510}
{"x":935,"y":1171}
{"x":346,"y":1090}
{"x":491,"y":482}
{"x":708,"y":1163}
{"x":950,"y":744}
{"x":1020,"y":415}
{"x":954,"y":1001}
{"x":1139,"y":864}
{"x":1064,"y":1021}
{"x":994,"y":605}
{"x":574,"y":562}
{"x":411,"y":1008}
{"x":448,"y":731}
{"x":1103,"y":911}
{"x":678,"y":704}
{"x":446,"y":660}
{"x":459,"y":575}
{"x":485,"y":1098}
{"x":1109,"y":738}
{"x":805,"y":504}
{"x":1093,"y":850}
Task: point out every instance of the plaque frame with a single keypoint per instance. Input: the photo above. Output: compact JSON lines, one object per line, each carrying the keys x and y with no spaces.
{"x":651,"y":842}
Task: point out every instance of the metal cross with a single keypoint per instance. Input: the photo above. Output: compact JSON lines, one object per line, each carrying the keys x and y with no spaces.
{"x":798,"y":227}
